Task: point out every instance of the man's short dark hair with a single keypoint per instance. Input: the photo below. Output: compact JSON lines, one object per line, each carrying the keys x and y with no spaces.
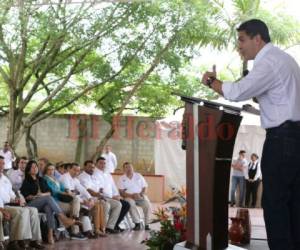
{"x":74,"y":164}
{"x":255,"y":27}
{"x":100,"y":158}
{"x":87,"y":162}
{"x":126,"y":163}
{"x":242,"y":152}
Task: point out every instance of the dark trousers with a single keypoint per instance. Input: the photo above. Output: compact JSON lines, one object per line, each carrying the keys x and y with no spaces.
{"x":124,"y":210}
{"x":251,"y":193}
{"x":281,"y":187}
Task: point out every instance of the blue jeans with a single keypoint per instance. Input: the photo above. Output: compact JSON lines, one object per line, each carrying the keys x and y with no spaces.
{"x":281,"y":187}
{"x":237,"y":181}
{"x":49,"y":206}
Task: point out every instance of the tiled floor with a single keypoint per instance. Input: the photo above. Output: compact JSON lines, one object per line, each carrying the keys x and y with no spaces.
{"x":130,"y":240}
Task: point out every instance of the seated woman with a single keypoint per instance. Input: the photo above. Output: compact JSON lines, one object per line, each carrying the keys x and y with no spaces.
{"x":69,"y":203}
{"x":38,"y":194}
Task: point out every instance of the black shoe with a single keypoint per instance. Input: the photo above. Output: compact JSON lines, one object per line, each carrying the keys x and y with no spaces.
{"x":36,"y":245}
{"x":111,"y":231}
{"x":77,"y":236}
{"x":137,"y":227}
{"x":147,"y":228}
{"x":13,"y":245}
{"x":23,"y":244}
{"x":90,"y":235}
{"x":119,"y":229}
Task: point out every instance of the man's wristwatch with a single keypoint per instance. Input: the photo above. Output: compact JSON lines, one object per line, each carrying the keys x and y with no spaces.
{"x":210,"y":80}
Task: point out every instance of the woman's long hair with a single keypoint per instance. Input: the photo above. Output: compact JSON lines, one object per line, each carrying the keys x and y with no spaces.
{"x":28,"y":168}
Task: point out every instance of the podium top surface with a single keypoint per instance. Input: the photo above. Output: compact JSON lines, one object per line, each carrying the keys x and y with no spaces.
{"x":210,"y":104}
{"x":227,"y":108}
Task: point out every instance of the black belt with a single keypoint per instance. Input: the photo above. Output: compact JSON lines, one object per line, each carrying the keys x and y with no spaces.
{"x":287,"y":124}
{"x":290,"y":124}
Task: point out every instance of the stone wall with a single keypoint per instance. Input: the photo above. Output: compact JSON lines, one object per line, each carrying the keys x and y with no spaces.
{"x":58,"y":137}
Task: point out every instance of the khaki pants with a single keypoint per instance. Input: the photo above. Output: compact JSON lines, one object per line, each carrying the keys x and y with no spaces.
{"x":1,"y":228}
{"x":134,"y":212}
{"x":72,"y":209}
{"x":24,"y":224}
{"x":99,"y":216}
{"x":112,"y":209}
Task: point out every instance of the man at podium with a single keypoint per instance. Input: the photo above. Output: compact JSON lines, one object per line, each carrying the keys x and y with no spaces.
{"x":275,"y":82}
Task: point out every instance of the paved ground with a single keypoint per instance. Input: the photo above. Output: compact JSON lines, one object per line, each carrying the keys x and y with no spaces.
{"x":130,"y":240}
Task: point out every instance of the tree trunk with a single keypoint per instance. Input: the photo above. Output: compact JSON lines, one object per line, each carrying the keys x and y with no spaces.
{"x":102,"y":143}
{"x":11,"y":120}
{"x":80,"y":155}
{"x":31,"y":145}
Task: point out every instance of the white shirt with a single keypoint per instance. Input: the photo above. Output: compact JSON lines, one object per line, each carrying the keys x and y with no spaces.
{"x":1,"y":203}
{"x":89,"y":181}
{"x":258,"y":171}
{"x":133,"y":185}
{"x":16,"y":177}
{"x":8,"y":158}
{"x":6,"y":192}
{"x":111,"y":162}
{"x":71,"y":183}
{"x":107,"y":183}
{"x":244,"y":163}
{"x":275,"y":82}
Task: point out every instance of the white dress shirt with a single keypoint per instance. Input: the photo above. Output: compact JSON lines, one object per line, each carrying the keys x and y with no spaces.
{"x":258,"y":171}
{"x":133,"y":185}
{"x":107,"y":183}
{"x":275,"y":82}
{"x":6,"y":192}
{"x":16,"y":177}
{"x":111,"y":162}
{"x":1,"y":203}
{"x":71,"y":183}
{"x":8,"y":159}
{"x":89,"y":181}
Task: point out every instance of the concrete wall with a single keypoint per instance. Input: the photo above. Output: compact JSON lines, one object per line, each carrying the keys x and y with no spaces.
{"x":57,"y":138}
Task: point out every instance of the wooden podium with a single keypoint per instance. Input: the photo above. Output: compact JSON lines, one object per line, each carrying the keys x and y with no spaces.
{"x":209,"y":132}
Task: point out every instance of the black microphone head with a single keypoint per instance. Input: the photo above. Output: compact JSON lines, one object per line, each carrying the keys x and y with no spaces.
{"x":245,"y":72}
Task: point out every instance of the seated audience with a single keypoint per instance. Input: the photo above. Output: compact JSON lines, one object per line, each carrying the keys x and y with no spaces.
{"x":69,"y":203}
{"x":133,"y":187}
{"x":24,"y":221}
{"x":38,"y":194}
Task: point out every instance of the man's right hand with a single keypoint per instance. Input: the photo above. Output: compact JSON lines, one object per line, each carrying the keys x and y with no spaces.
{"x":137,"y":196}
{"x":6,"y":214}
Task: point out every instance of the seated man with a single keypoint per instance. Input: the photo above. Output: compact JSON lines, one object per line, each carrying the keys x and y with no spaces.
{"x":24,"y":222}
{"x":16,"y":176}
{"x":132,"y":187}
{"x":3,"y":215}
{"x":72,"y":185}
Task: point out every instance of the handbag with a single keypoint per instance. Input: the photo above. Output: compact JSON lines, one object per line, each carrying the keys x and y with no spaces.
{"x":64,"y":197}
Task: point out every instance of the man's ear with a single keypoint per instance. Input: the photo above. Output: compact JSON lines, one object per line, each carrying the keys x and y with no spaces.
{"x":258,"y":39}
